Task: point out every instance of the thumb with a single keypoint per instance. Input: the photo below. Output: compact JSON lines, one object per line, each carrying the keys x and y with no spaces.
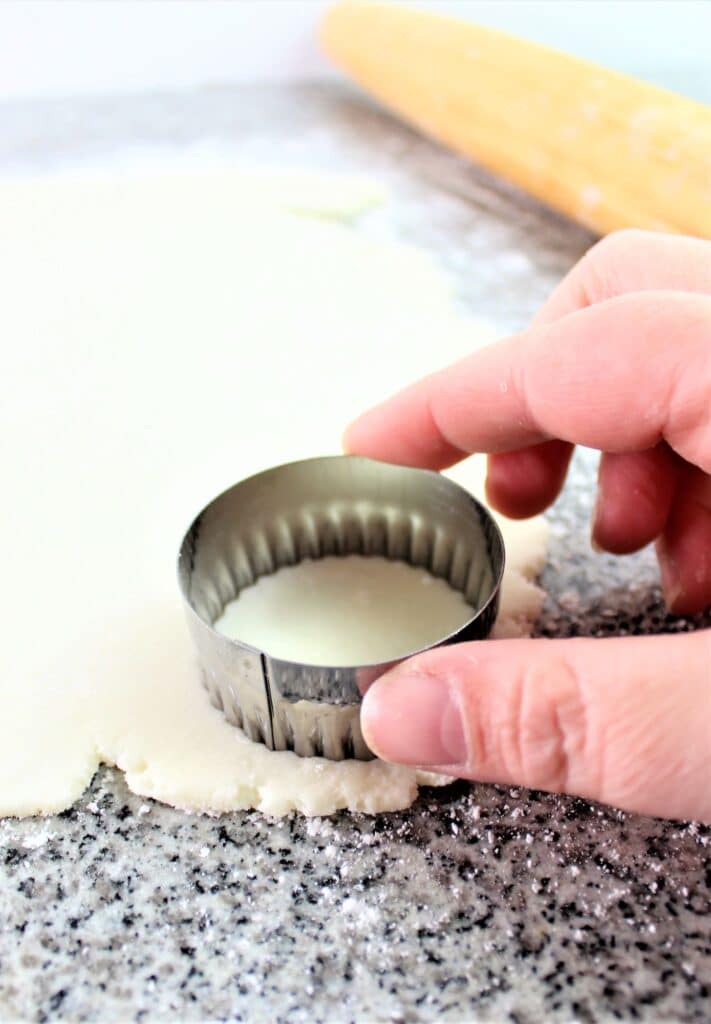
{"x":624,"y":721}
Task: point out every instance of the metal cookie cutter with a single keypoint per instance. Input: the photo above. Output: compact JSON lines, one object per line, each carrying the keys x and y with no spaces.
{"x":336,"y":505}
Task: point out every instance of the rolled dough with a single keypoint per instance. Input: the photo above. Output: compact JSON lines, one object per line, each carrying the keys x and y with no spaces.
{"x":162,"y":339}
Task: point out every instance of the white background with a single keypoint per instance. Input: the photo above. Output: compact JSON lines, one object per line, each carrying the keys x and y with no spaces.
{"x":66,"y":47}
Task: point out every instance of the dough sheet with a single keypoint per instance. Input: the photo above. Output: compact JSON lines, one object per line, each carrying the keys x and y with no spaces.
{"x":164,"y":337}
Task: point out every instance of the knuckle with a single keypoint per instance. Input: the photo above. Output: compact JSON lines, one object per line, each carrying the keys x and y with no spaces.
{"x":616,"y":242}
{"x":605,"y":263}
{"x":548,"y":730}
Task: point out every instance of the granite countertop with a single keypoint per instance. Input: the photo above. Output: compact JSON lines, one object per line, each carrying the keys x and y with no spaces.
{"x":480,"y":902}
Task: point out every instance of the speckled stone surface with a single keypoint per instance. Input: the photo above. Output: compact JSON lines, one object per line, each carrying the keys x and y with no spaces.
{"x":480,"y":903}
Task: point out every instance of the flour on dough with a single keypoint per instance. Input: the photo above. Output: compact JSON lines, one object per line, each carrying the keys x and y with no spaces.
{"x":164,"y":337}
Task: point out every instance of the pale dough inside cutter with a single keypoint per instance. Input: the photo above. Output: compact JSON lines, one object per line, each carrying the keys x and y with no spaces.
{"x":164,"y":337}
{"x":353,"y":610}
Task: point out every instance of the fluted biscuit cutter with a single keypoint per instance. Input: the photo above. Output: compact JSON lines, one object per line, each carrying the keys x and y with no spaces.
{"x":336,"y":505}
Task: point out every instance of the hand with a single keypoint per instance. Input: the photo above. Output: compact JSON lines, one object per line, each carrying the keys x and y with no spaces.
{"x":618,"y":359}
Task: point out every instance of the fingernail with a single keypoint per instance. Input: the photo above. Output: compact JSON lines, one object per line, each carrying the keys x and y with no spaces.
{"x":672,"y":592}
{"x":595,"y":520}
{"x":672,"y":587}
{"x":414,"y":719}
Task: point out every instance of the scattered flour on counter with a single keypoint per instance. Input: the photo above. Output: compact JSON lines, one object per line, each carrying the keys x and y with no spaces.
{"x":167,"y":336}
{"x":359,"y":915}
{"x":38,"y":839}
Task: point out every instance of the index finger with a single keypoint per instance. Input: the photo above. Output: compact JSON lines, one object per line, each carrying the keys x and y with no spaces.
{"x":631,"y":261}
{"x":620,"y":376}
{"x":525,"y":482}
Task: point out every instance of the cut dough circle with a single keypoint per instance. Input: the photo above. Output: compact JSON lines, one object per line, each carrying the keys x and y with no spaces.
{"x":164,"y":338}
{"x":352,"y":610}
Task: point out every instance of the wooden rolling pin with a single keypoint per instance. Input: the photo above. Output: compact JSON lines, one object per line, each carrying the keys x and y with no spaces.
{"x":601,"y":147}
